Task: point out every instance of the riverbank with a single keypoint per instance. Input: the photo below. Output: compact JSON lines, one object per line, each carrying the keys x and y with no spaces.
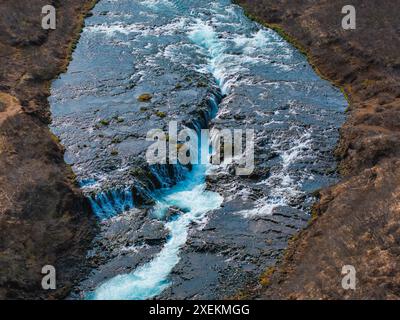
{"x":44,"y":219}
{"x":357,"y":220}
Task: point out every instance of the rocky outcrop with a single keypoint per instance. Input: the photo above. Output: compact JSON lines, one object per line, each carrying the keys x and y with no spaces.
{"x":358,"y":219}
{"x":44,"y":219}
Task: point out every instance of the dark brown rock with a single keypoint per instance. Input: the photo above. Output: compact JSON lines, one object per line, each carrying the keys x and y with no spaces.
{"x":44,"y":219}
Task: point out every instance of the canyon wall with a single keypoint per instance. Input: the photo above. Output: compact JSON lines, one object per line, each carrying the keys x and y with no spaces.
{"x":44,"y":219}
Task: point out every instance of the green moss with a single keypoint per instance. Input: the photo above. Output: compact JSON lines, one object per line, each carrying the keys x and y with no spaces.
{"x":161,"y":114}
{"x":145,"y":97}
{"x":104,"y":122}
{"x":116,"y":140}
{"x":137,"y":172}
{"x":54,"y":138}
{"x":345,"y":94}
{"x":314,"y":214}
{"x":265,"y":278}
{"x":71,"y":174}
{"x":201,"y":84}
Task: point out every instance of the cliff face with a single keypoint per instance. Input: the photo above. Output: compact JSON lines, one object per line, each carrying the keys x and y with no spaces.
{"x":44,"y":219}
{"x":358,"y":219}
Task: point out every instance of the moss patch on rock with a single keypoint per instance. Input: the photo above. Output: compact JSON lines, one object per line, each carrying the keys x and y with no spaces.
{"x":145,"y":97}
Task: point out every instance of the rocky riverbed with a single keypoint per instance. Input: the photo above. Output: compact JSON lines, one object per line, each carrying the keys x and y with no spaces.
{"x":190,"y":62}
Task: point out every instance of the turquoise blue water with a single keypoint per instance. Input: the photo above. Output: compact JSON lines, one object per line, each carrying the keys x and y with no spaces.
{"x":152,"y":278}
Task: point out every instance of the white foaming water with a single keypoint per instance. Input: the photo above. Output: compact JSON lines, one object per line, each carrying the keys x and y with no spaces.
{"x":225,"y":67}
{"x":151,"y":279}
{"x":204,"y":36}
{"x":142,"y":29}
{"x":281,"y":184}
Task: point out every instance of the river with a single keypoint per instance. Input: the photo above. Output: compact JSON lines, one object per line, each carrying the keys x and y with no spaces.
{"x":205,"y":64}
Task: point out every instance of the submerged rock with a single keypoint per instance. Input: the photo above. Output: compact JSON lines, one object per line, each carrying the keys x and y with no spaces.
{"x":153,"y":233}
{"x":172,"y":213}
